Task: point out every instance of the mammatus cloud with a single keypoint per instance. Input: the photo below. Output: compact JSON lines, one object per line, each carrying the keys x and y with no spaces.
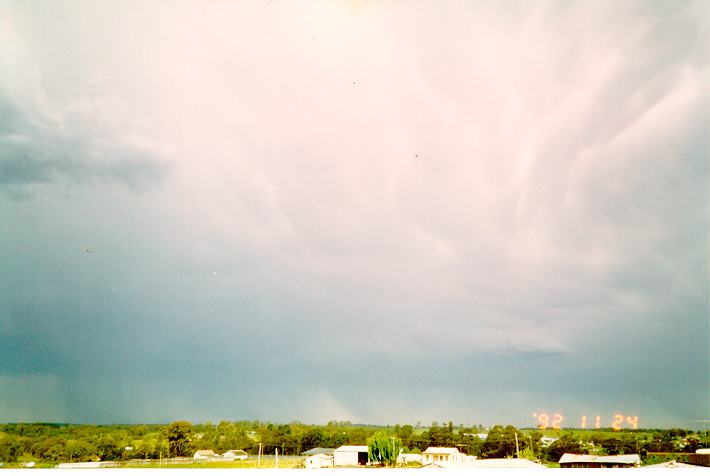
{"x":490,"y":218}
{"x":41,"y":142}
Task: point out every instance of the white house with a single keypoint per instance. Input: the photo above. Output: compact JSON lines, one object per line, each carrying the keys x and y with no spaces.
{"x":547,"y":441}
{"x":204,"y":455}
{"x":442,"y":456}
{"x":318,"y":461}
{"x":232,"y":455}
{"x":350,"y":456}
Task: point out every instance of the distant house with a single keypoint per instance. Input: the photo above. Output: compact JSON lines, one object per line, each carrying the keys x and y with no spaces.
{"x":318,"y":461}
{"x":316,"y":451}
{"x":546,"y":441}
{"x":571,"y":460}
{"x":232,"y":455}
{"x":350,"y":456}
{"x":442,"y":456}
{"x":204,"y":455}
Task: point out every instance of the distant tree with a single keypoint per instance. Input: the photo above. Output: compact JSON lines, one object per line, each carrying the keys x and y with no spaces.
{"x":179,"y":436}
{"x":313,"y":438}
{"x":442,"y":435}
{"x":567,"y":443}
{"x":500,"y":442}
{"x":472,"y":444}
{"x":383,"y":448}
{"x":109,"y":450}
{"x":10,"y":449}
{"x":692,"y":445}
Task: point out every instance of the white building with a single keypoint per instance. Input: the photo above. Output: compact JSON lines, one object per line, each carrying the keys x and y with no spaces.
{"x":232,"y":455}
{"x":318,"y":461}
{"x":546,"y":441}
{"x":442,"y":456}
{"x":350,"y":456}
{"x":204,"y":455}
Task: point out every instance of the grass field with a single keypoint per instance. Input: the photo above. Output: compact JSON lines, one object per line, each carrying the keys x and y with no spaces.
{"x":251,"y":462}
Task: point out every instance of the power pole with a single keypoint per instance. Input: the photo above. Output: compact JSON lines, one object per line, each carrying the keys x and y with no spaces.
{"x":258,"y":458}
{"x":276,"y":452}
{"x":517,"y":448}
{"x":394,"y":456}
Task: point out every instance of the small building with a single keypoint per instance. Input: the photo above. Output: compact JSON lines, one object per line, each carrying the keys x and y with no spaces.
{"x":317,"y":451}
{"x":232,"y":455}
{"x":546,"y":441}
{"x":571,"y":460}
{"x":442,"y":456}
{"x":318,"y":461}
{"x":350,"y":456}
{"x":204,"y":455}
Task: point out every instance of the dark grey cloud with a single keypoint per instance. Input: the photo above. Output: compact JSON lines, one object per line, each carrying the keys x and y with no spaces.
{"x":32,"y":154}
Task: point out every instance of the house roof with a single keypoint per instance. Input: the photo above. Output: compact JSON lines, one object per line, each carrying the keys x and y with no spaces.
{"x":617,"y":459}
{"x":236,"y":452}
{"x":359,"y":449}
{"x":315,"y":451}
{"x":440,"y":451}
{"x":674,"y":464}
{"x":205,"y":453}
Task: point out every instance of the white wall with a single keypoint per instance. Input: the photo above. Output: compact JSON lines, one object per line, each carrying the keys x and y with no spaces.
{"x":345,"y":458}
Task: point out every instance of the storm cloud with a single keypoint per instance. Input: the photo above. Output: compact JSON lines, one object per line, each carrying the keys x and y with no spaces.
{"x":377,"y":212}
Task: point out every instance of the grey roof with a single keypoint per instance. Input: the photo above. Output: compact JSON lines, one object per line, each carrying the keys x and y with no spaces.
{"x":674,"y":464}
{"x":438,"y":450}
{"x":617,"y":459}
{"x":315,"y":451}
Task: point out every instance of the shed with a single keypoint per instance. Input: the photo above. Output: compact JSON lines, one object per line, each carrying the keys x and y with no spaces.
{"x":318,"y":461}
{"x":350,"y":456}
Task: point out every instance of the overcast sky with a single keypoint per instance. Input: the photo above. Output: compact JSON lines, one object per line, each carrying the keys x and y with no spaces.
{"x":396,"y":211}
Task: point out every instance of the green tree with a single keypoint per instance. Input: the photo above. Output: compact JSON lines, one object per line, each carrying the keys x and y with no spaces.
{"x":179,"y":436}
{"x":567,"y":443}
{"x":10,"y":449}
{"x":383,"y":448}
{"x":313,"y":438}
{"x":500,"y":442}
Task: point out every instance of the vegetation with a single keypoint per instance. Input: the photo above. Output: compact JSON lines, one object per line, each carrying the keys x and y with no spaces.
{"x":383,"y":448}
{"x":48,"y":443}
{"x":179,"y":435}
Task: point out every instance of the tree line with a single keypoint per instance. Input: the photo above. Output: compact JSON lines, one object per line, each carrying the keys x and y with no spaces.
{"x":56,"y":443}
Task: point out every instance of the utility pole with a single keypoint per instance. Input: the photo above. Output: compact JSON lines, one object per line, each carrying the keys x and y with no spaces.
{"x":394,"y":456}
{"x":258,"y":458}
{"x":276,"y":452}
{"x":517,"y":448}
